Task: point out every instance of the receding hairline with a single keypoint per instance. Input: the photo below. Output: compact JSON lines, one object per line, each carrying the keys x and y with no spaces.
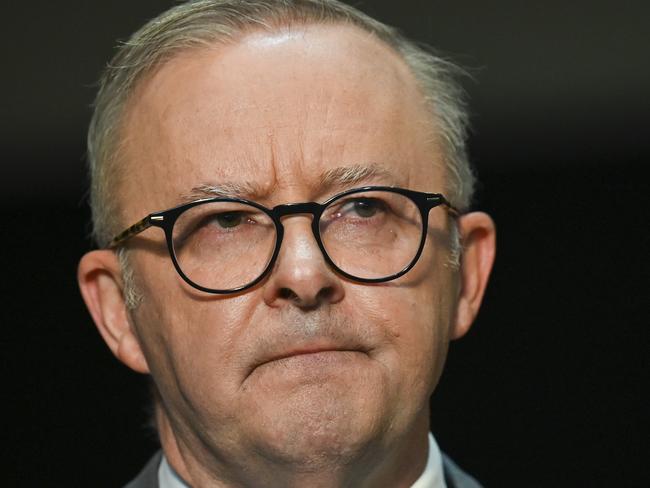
{"x":140,"y":82}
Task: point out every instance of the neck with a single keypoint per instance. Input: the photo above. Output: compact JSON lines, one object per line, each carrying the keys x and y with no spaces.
{"x":376,"y":465}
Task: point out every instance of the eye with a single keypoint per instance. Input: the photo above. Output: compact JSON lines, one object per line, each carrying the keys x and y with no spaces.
{"x":366,"y":208}
{"x":363,"y":207}
{"x":228,"y":220}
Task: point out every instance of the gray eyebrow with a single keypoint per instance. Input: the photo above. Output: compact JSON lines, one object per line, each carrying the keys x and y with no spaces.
{"x":350,"y":175}
{"x":342,"y":176}
{"x":230,"y":190}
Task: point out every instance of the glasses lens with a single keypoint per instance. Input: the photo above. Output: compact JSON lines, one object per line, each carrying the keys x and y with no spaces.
{"x":223,"y":245}
{"x":372,"y":234}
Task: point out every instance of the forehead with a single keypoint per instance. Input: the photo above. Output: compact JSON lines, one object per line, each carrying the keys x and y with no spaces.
{"x":276,"y":111}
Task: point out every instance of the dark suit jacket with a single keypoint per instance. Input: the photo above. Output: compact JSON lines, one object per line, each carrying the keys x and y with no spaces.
{"x":454,"y":476}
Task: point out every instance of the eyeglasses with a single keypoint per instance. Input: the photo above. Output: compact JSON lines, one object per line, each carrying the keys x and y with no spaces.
{"x":225,"y":245}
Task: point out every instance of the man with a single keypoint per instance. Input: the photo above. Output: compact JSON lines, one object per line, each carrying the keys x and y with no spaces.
{"x":295,"y":305}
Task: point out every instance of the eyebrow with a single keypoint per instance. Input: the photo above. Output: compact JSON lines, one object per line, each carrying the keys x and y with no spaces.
{"x":342,"y":176}
{"x":228,"y":190}
{"x":357,"y":173}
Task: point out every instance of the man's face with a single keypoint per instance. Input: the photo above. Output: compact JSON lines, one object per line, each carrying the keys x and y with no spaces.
{"x":306,"y":364}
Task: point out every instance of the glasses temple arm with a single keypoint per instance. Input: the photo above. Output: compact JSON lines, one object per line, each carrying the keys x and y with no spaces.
{"x":439,"y":199}
{"x":453,"y":211}
{"x":135,"y":229}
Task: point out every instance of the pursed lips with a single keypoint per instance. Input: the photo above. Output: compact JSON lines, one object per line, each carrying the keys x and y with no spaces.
{"x":302,"y":352}
{"x":309,"y":348}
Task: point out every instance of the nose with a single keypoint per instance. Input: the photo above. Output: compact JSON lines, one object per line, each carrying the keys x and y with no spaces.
{"x":301,"y":277}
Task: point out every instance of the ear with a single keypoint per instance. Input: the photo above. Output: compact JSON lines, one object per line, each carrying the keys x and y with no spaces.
{"x":478,"y":237}
{"x":100,"y":280}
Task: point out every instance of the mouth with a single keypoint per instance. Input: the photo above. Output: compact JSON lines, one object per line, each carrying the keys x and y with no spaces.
{"x":310,"y":355}
{"x":309,"y":351}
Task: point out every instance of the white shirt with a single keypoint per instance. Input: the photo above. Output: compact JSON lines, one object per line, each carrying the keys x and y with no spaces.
{"x":432,"y":477}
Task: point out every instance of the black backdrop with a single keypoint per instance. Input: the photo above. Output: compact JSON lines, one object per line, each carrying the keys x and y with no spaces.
{"x":547,"y":387}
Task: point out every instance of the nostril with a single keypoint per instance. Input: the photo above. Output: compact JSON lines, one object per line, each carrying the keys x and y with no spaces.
{"x":325,"y":294}
{"x":287,"y":294}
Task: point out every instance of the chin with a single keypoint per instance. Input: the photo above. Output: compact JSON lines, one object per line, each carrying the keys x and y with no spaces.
{"x":318,"y":426}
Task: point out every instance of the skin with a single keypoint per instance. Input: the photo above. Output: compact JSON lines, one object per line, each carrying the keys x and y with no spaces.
{"x":347,"y":405}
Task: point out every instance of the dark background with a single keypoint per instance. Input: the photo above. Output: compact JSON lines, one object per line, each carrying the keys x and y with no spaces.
{"x":547,"y":387}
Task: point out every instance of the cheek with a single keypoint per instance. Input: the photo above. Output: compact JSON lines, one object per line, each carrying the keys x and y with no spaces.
{"x":416,"y":318}
{"x":422,"y":343}
{"x":194,"y":359}
{"x":190,"y":344}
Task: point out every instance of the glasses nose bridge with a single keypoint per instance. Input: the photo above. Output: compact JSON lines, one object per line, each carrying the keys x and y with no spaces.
{"x":300,"y":208}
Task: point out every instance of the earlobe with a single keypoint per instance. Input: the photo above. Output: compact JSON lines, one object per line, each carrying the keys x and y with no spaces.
{"x":478,"y":236}
{"x":100,"y":281}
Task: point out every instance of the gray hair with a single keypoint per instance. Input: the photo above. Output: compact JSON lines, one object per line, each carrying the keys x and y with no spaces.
{"x":203,"y":23}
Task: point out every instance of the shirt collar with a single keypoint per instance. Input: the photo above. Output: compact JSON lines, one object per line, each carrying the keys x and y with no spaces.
{"x":167,"y":477}
{"x":432,"y":476}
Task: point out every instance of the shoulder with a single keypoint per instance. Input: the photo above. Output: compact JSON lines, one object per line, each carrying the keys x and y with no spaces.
{"x":456,"y":477}
{"x":148,"y":477}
